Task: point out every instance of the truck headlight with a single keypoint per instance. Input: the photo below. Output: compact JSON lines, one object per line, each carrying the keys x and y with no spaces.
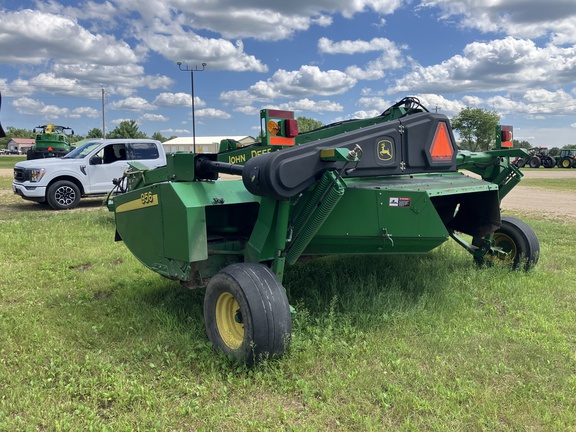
{"x":36,"y":174}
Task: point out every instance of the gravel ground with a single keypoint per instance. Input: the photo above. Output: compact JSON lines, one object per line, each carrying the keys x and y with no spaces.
{"x":557,"y":204}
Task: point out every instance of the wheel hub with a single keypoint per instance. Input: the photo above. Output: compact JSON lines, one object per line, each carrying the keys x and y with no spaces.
{"x":229,"y":320}
{"x":65,"y":195}
{"x":507,"y":245}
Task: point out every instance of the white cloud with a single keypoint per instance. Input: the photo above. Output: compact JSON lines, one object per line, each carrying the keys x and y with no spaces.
{"x":27,"y":105}
{"x":154,"y":118}
{"x":499,"y":65}
{"x":310,"y":105}
{"x":218,"y":54}
{"x":85,"y":112}
{"x":34,"y":37}
{"x":259,"y":20}
{"x":327,"y":46}
{"x":524,"y":19}
{"x":131,"y":104}
{"x":374,"y":103}
{"x":390,"y":59}
{"x":306,"y":82}
{"x":212,"y":113}
{"x":177,"y":100}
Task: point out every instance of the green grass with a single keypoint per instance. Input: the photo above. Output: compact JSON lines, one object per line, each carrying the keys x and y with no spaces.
{"x":91,"y":340}
{"x":559,"y":184}
{"x":9,"y":161}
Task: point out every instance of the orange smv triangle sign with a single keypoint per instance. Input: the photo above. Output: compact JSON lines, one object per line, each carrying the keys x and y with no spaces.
{"x":441,"y":149}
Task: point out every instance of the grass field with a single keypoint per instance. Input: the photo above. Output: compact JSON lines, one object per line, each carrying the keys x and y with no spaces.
{"x":91,"y":340}
{"x":9,"y":161}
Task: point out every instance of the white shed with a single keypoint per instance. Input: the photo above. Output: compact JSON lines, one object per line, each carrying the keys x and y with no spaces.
{"x":204,"y":144}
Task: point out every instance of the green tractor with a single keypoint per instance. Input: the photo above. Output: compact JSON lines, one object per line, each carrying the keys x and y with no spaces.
{"x":567,"y":158}
{"x":392,"y":184}
{"x":50,"y":140}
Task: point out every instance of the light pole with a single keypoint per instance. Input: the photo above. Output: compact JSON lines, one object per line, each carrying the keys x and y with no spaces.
{"x":187,"y":69}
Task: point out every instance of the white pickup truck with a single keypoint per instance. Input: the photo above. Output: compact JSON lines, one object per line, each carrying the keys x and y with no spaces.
{"x":86,"y":171}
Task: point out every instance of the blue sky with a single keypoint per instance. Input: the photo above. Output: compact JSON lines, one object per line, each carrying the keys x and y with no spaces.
{"x":325,"y":59}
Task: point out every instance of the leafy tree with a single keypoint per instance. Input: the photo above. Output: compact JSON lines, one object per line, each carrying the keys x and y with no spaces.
{"x":75,"y":138}
{"x":95,"y":133}
{"x":158,"y":137}
{"x":306,"y":124}
{"x":477,"y":127}
{"x":521,"y":144}
{"x":126,"y":129}
{"x":12,"y":132}
{"x":569,"y":146}
{"x":554,"y":151}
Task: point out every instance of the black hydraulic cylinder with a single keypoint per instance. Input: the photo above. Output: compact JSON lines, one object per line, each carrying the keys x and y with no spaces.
{"x":205,"y":166}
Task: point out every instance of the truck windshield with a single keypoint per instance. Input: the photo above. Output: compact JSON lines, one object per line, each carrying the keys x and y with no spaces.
{"x":83,"y":150}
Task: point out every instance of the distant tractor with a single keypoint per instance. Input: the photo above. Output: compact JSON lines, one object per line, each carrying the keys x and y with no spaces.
{"x":567,"y":158}
{"x":539,"y":156}
{"x":50,"y":140}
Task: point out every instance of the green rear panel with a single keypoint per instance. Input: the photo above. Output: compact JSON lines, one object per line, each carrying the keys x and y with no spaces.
{"x":165,"y":226}
{"x":405,"y":214}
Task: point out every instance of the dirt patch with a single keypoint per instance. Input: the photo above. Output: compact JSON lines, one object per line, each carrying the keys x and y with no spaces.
{"x":554,"y":204}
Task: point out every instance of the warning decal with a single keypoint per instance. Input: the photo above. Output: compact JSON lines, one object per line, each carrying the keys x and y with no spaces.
{"x":399,"y":202}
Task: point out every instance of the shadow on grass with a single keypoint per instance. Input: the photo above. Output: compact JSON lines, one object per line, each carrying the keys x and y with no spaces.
{"x":367,"y":290}
{"x":17,"y":204}
{"x":361,"y":286}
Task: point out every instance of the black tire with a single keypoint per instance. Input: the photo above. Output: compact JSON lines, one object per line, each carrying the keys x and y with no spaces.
{"x":520,"y":243}
{"x":535,"y":162}
{"x":549,"y":162}
{"x":246,"y":313}
{"x":566,"y":162}
{"x":63,"y":195}
{"x":521,"y":163}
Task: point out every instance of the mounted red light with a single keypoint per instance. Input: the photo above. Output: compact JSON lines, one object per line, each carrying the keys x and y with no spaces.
{"x":506,"y":136}
{"x":291,"y":128}
{"x":441,"y":149}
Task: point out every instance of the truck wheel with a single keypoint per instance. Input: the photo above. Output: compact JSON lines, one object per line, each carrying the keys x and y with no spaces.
{"x":63,"y":195}
{"x":246,"y":313}
{"x":519,"y":241}
{"x":566,"y":162}
{"x":535,"y":162}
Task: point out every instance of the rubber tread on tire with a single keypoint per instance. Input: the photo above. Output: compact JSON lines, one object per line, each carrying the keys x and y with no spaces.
{"x":263,"y":308}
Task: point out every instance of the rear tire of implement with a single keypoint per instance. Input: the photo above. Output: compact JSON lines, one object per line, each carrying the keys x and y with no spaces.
{"x":519,"y":241}
{"x":246,"y":313}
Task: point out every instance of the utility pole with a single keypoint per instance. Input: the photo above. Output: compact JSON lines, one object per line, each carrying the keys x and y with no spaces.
{"x":103,"y":117}
{"x":187,"y":69}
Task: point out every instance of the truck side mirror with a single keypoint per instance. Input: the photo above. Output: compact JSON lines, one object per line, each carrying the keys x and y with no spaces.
{"x":95,"y":160}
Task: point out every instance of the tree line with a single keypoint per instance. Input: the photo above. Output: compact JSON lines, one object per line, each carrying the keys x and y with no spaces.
{"x":125,"y":129}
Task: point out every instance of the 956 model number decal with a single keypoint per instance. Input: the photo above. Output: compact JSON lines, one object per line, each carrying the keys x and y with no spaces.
{"x":147,"y":199}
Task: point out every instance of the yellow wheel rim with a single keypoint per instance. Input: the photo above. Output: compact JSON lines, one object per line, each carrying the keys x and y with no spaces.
{"x":507,"y":245}
{"x":229,"y":320}
{"x":565,"y":163}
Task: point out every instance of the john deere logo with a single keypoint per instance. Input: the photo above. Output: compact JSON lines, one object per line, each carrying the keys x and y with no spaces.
{"x":385,"y":150}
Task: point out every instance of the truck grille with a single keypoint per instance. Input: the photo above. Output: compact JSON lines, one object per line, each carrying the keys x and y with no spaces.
{"x":21,"y":175}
